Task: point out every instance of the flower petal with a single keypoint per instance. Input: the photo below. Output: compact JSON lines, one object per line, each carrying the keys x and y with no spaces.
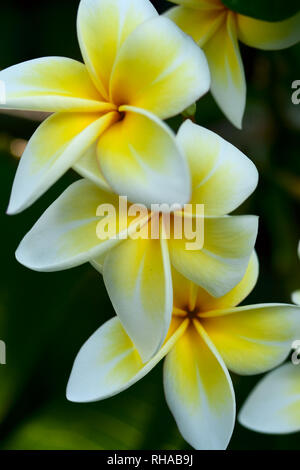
{"x":273,"y":406}
{"x":139,"y":157}
{"x":51,"y":84}
{"x":52,"y":150}
{"x":137,"y":275}
{"x":98,"y":263}
{"x":186,"y":293}
{"x":253,"y":339}
{"x":206,"y":302}
{"x":102,"y":27}
{"x":222,"y":176}
{"x":66,"y":234}
{"x":199,"y":391}
{"x":88,"y":167}
{"x":222,"y":262}
{"x":228,"y":84}
{"x":269,"y":35}
{"x":201,"y":24}
{"x":159,"y":69}
{"x":108,"y":363}
{"x":296,"y":297}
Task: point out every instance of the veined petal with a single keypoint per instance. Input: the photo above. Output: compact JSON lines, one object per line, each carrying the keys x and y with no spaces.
{"x":253,"y":339}
{"x":88,"y":167}
{"x":67,"y":234}
{"x":269,"y":35}
{"x":51,"y":84}
{"x":137,"y":275}
{"x":103,"y":26}
{"x":273,"y":407}
{"x":228,"y":84}
{"x":201,"y":24}
{"x":222,"y":176}
{"x":222,"y":262}
{"x":108,"y":363}
{"x":139,"y":157}
{"x":199,"y":391}
{"x":52,"y":150}
{"x":159,"y":69}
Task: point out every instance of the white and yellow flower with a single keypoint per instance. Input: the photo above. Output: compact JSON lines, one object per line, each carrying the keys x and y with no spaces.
{"x":273,"y":407}
{"x":137,"y":272}
{"x":217,"y":30}
{"x":206,"y":336}
{"x":139,"y":68}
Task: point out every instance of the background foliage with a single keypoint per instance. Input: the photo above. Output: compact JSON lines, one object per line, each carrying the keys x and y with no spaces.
{"x":45,"y":318}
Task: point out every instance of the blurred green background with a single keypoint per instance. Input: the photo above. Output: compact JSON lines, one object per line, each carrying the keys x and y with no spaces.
{"x":45,"y":318}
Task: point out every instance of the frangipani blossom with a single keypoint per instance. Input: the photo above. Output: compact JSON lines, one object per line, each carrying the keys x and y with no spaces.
{"x":206,"y":336}
{"x":217,"y":30}
{"x":273,"y":407}
{"x":139,"y":68}
{"x":137,"y":272}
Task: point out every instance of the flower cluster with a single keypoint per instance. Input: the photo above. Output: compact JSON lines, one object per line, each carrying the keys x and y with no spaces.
{"x":107,"y":123}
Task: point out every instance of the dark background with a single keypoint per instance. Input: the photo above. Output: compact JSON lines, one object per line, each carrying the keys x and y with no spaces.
{"x":45,"y":318}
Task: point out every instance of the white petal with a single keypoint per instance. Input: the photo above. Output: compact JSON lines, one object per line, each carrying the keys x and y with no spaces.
{"x":137,"y":275}
{"x":109,"y":363}
{"x":273,"y":406}
{"x":66,"y":234}
{"x":199,"y":391}
{"x":52,"y":150}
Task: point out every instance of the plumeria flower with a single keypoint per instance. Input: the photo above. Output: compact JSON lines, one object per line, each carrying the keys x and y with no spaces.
{"x":217,"y":30}
{"x":139,"y":68}
{"x":273,"y":407}
{"x":206,"y":336}
{"x":137,"y":271}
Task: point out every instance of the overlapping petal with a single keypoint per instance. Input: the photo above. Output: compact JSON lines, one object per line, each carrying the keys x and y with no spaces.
{"x":222,"y":262}
{"x":200,"y":23}
{"x":54,"y":147}
{"x":137,"y":275}
{"x":222,"y":176}
{"x":159,"y":69}
{"x":109,"y":363}
{"x":273,"y":407}
{"x":253,"y":339}
{"x":205,"y":302}
{"x":140,"y":158}
{"x":103,"y":26}
{"x":88,"y":167}
{"x":199,"y":391}
{"x":228,"y":84}
{"x":66,"y":235}
{"x":51,"y":84}
{"x":269,"y":35}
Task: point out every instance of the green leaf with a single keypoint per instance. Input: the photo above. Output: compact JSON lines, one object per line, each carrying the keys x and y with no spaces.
{"x":268,"y":10}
